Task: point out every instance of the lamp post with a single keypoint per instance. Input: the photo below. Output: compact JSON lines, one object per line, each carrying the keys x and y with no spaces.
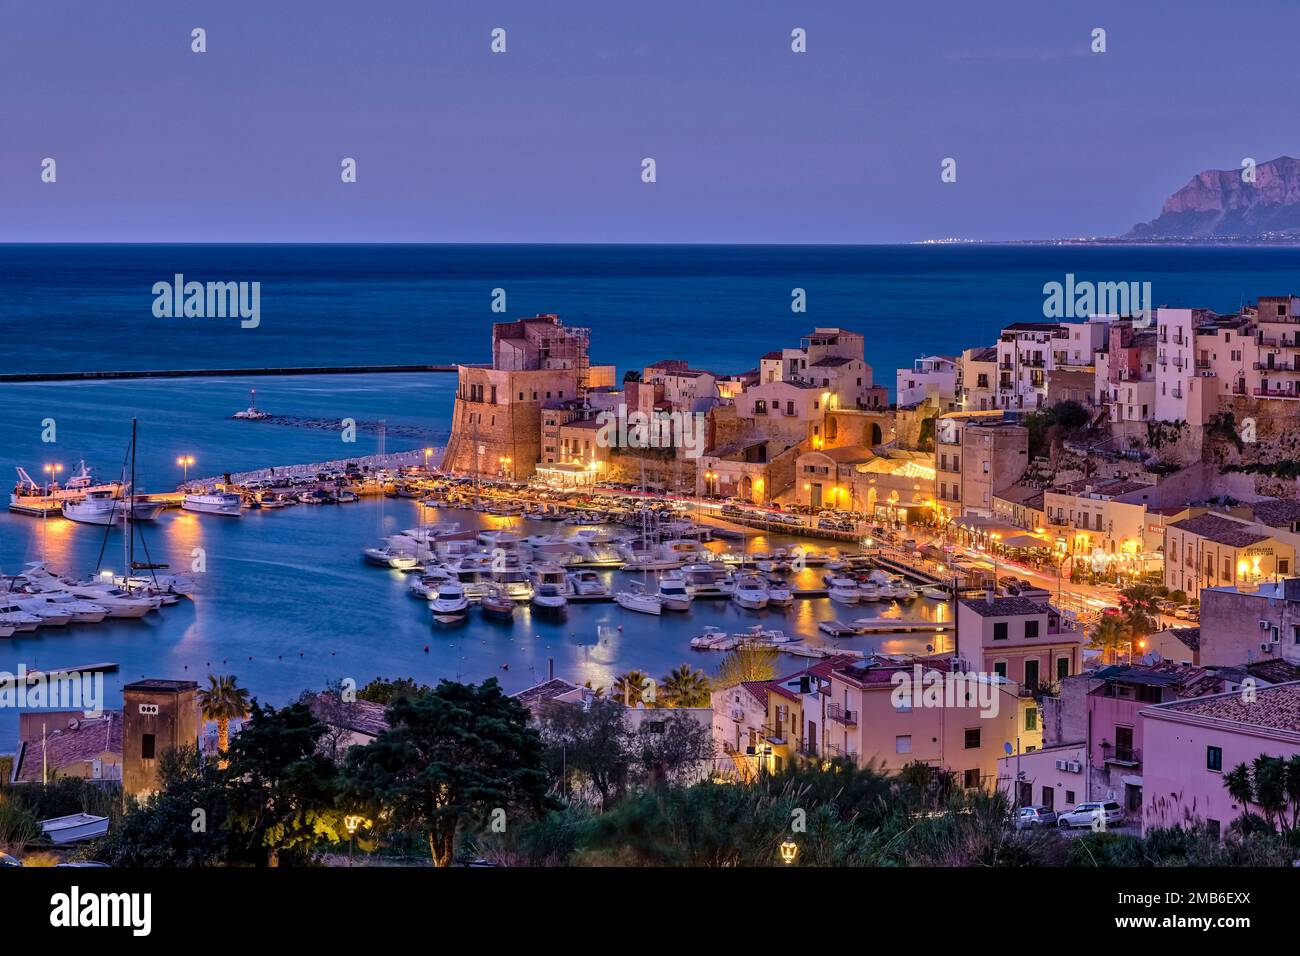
{"x":185,"y":461}
{"x":352,"y":821}
{"x":428,"y":453}
{"x":53,"y":471}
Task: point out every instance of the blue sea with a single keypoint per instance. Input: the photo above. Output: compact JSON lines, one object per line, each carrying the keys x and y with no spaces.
{"x":286,"y":603}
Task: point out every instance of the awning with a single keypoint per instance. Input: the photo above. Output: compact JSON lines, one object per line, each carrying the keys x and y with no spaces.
{"x":1025,"y":541}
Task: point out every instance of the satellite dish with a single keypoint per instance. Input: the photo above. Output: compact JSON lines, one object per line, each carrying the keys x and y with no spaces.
{"x":1006,"y":746}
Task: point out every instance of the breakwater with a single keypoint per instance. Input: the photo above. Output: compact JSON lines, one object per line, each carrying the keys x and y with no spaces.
{"x":113,"y":374}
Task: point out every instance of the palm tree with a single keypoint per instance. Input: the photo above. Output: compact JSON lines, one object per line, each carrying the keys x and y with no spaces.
{"x":223,"y":700}
{"x":685,"y":686}
{"x":1108,"y":634}
{"x":630,"y":687}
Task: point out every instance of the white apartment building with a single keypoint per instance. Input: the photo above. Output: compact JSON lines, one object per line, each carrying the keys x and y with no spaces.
{"x":930,"y":377}
{"x":1027,"y":353}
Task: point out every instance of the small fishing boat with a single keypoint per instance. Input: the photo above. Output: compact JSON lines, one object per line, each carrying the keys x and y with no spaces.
{"x":348,"y":497}
{"x":936,"y":594}
{"x":226,"y":504}
{"x":496,"y":603}
{"x":97,"y":507}
{"x":74,"y":828}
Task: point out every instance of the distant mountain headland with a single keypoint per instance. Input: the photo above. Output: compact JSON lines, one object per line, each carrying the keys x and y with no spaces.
{"x":1258,"y":203}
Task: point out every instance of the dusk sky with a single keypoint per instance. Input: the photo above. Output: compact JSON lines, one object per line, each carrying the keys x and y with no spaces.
{"x":753,"y":142}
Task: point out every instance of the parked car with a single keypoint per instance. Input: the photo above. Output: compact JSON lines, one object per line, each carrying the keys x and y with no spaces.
{"x":1027,"y":818}
{"x":7,"y":860}
{"x":1085,"y":814}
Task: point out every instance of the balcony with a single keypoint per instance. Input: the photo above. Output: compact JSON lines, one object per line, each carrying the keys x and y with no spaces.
{"x":1121,"y":756}
{"x":1176,"y":392}
{"x":1202,"y":363}
{"x":838,"y":753}
{"x":1277,"y":367}
{"x":805,"y":748}
{"x":841,"y":715}
{"x":1275,"y":393}
{"x":1240,"y":389}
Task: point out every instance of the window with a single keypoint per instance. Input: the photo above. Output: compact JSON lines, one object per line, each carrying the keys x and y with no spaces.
{"x":1069,"y":797}
{"x":1214,"y":759}
{"x":1031,"y":718}
{"x":653,"y":727}
{"x":1062,"y":668}
{"x":971,"y":779}
{"x":903,"y":744}
{"x":1000,"y":631}
{"x":147,"y":745}
{"x":1000,"y":668}
{"x":1031,"y":629}
{"x":972,"y":738}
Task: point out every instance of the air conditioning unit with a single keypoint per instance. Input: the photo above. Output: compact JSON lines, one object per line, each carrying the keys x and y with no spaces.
{"x":1263,"y":625}
{"x":1061,"y":764}
{"x":1074,"y":766}
{"x":1266,"y":647}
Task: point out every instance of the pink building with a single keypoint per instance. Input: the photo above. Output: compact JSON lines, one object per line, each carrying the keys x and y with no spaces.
{"x":1020,"y":639}
{"x":1189,"y":745}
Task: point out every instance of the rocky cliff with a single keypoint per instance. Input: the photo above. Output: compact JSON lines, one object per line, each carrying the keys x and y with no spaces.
{"x":1219,"y":203}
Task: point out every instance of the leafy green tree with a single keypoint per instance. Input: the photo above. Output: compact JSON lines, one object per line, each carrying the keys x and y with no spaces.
{"x":280,"y":786}
{"x":678,"y":751}
{"x":184,"y":823}
{"x":381,"y":690}
{"x":749,"y":662}
{"x":223,"y":700}
{"x":448,"y":758}
{"x":591,"y":743}
{"x":684,"y":686}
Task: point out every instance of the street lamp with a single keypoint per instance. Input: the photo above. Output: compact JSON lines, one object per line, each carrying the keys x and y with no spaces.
{"x":185,"y":461}
{"x":789,"y":852}
{"x":53,"y":471}
{"x":428,"y":452}
{"x":352,"y":821}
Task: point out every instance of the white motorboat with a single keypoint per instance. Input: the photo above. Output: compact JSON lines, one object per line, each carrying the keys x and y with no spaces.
{"x":389,"y":558}
{"x":750,"y":593}
{"x":15,"y":617}
{"x":74,"y":828}
{"x":79,"y":612}
{"x":587,"y":586}
{"x":425,"y":586}
{"x":117,"y":602}
{"x":139,"y":508}
{"x":779,"y":594}
{"x":868,"y":592}
{"x":51,"y":615}
{"x":174,"y":584}
{"x":673,"y":593}
{"x":549,"y":597}
{"x":449,"y":605}
{"x":97,"y":507}
{"x":936,"y":594}
{"x":214,"y":503}
{"x":6,"y":630}
{"x":844,"y":590}
{"x":712,"y":580}
{"x":638,"y":599}
{"x":547,"y":572}
{"x":512,"y":579}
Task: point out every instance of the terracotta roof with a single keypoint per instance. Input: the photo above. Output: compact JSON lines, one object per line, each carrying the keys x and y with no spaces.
{"x":1277,"y":512}
{"x":757,"y":689}
{"x":1005,"y":606}
{"x":1220,"y":530}
{"x":776,"y":354}
{"x":1274,"y":672}
{"x":1190,"y":637}
{"x":1021,"y":494}
{"x":82,"y":741}
{"x":830,"y":361}
{"x":1270,"y":708}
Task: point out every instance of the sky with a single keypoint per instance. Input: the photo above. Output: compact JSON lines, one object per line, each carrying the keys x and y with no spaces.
{"x":544,"y":143}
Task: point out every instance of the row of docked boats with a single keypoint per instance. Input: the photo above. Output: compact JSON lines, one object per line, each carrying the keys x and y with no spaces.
{"x":38,"y":598}
{"x":876,"y":585}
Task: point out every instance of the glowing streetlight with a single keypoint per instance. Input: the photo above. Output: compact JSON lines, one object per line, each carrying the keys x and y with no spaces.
{"x":352,"y":821}
{"x":53,"y":470}
{"x":185,"y":461}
